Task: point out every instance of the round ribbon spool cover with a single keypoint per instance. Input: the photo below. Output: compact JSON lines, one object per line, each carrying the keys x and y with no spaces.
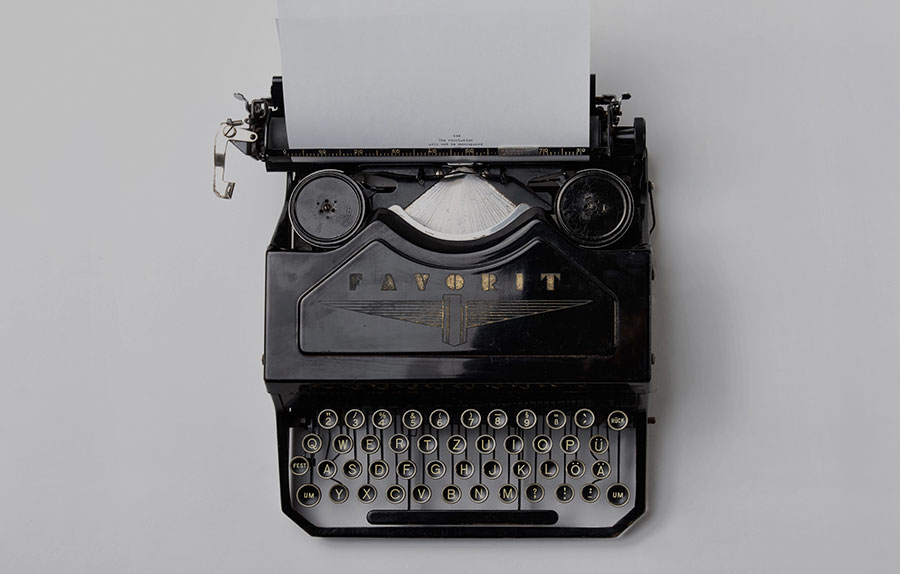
{"x":595,"y":207}
{"x":327,"y":208}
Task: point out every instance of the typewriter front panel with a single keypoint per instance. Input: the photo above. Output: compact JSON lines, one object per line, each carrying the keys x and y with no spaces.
{"x":535,"y":303}
{"x":533,"y":308}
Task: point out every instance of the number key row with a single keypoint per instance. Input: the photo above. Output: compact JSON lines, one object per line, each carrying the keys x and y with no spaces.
{"x":470,"y":419}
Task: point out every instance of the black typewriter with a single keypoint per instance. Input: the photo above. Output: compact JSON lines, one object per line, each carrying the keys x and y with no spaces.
{"x":457,"y":341}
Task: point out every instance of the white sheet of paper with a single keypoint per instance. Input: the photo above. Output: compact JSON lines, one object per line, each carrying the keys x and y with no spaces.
{"x":435,"y":73}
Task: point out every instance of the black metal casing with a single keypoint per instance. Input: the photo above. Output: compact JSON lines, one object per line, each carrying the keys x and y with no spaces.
{"x":594,"y":346}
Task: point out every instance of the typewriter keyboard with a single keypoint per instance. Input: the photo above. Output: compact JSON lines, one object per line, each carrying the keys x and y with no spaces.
{"x":384,"y":467}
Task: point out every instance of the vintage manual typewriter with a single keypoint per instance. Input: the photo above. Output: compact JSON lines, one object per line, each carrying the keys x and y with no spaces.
{"x":457,"y":341}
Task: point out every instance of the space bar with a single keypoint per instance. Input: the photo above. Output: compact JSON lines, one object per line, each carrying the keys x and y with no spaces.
{"x":473,"y":517}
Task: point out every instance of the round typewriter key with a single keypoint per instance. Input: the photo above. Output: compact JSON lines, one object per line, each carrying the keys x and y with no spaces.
{"x":526,"y":419}
{"x":470,"y":418}
{"x":328,"y":419}
{"x":590,"y":493}
{"x":412,"y":419}
{"x":354,"y":419}
{"x":308,"y":495}
{"x":595,"y":207}
{"x":456,"y":444}
{"x":370,"y":444}
{"x":534,"y":493}
{"x":497,"y":419}
{"x":549,"y":469}
{"x":575,"y":468}
{"x":342,"y":444}
{"x":599,"y":444}
{"x":600,"y":469}
{"x":326,"y":469}
{"x":565,"y":493}
{"x":395,"y":494}
{"x":542,"y":444}
{"x":406,"y":469}
{"x":556,"y":419}
{"x":617,"y":420}
{"x":569,"y":444}
{"x":617,"y":494}
{"x":508,"y":493}
{"x":326,"y":208}
{"x":584,"y":418}
{"x":521,"y":469}
{"x":435,"y":469}
{"x":299,"y":465}
{"x":478,"y":493}
{"x":421,"y":493}
{"x":485,"y":444}
{"x":367,"y":493}
{"x":339,"y":493}
{"x":465,"y":469}
{"x":382,"y":419}
{"x":427,"y":444}
{"x":439,"y":419}
{"x":399,"y":443}
{"x":312,"y":443}
{"x":378,"y":469}
{"x":353,"y":469}
{"x":451,"y":494}
{"x":492,"y":469}
{"x":513,"y":444}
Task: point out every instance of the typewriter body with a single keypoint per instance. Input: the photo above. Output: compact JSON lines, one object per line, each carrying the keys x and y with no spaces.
{"x":457,"y":341}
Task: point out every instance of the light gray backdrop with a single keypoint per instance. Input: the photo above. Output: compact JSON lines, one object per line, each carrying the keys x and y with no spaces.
{"x":135,"y":432}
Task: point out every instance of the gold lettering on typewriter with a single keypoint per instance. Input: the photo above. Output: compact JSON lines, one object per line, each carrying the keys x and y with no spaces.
{"x":422,"y":280}
{"x":488,"y":280}
{"x":551,"y":279}
{"x":455,"y":282}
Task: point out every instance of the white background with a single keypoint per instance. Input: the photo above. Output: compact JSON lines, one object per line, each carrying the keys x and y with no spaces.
{"x":135,"y":431}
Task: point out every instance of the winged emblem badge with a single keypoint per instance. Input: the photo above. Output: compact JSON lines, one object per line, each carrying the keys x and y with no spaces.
{"x":454,"y":316}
